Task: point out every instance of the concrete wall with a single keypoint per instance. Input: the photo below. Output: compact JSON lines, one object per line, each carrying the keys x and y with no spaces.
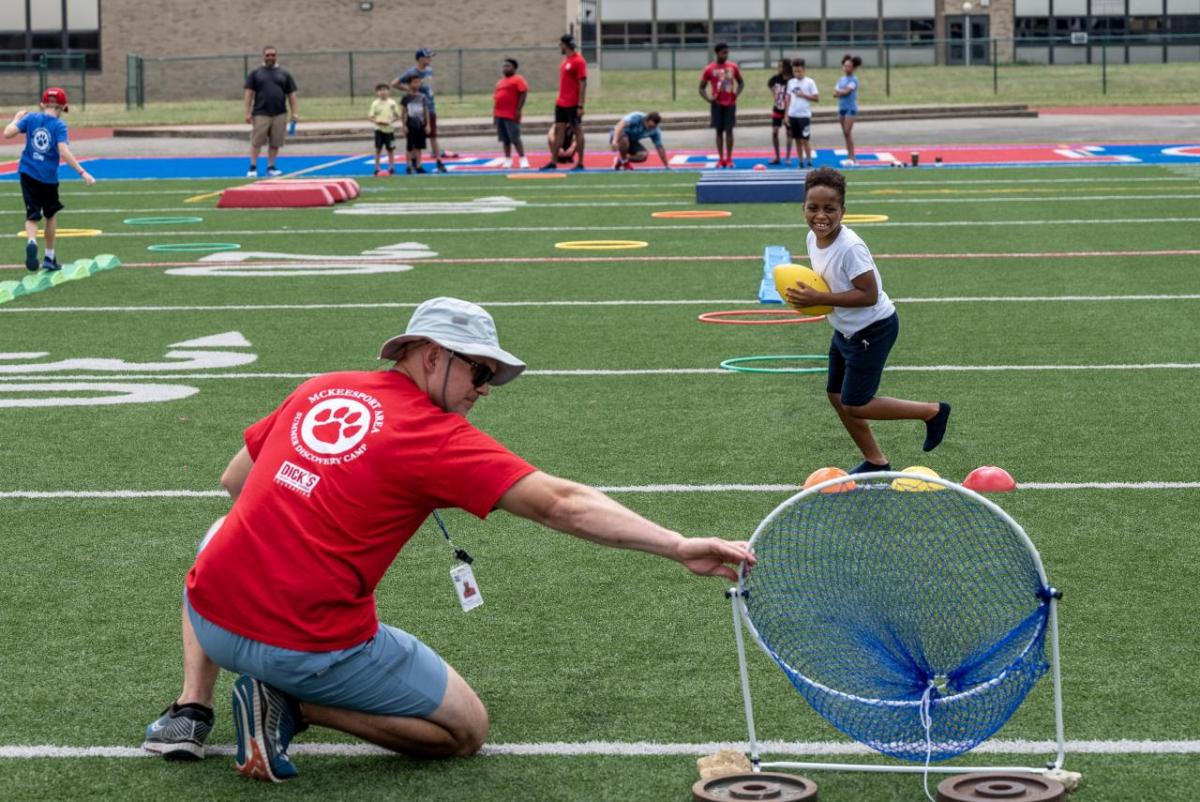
{"x":185,"y":27}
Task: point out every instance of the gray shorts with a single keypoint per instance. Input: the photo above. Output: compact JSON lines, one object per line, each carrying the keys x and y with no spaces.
{"x":508,"y":131}
{"x":391,"y":674}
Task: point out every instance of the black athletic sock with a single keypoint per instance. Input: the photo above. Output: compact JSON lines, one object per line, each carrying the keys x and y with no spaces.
{"x":869,"y":467}
{"x":935,"y":427}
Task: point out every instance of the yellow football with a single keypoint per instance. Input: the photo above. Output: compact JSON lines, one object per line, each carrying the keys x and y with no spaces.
{"x":789,"y":275}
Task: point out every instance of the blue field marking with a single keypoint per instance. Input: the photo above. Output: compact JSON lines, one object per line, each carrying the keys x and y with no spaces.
{"x":1045,"y":155}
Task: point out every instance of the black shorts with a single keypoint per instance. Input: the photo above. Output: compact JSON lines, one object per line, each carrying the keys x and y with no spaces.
{"x":777,"y":118}
{"x":41,"y":200}
{"x":415,"y":137}
{"x":385,"y":139}
{"x":508,"y":131}
{"x":801,"y":127}
{"x":567,"y":114}
{"x":723,"y":118}
{"x":856,"y":362}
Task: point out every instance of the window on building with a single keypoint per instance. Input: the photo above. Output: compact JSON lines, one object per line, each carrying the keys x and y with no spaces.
{"x":1029,"y":29}
{"x":751,"y":33}
{"x":638,"y":34}
{"x":695,"y":33}
{"x":852,"y":31}
{"x":795,"y":32}
{"x":1065,"y":26}
{"x":909,"y":31}
{"x":1108,"y":28}
{"x":612,"y":34}
{"x":1184,"y":24}
{"x":26,"y":37}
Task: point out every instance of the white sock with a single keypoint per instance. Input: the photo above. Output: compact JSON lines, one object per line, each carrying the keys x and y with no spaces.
{"x":49,"y":253}
{"x":32,"y":241}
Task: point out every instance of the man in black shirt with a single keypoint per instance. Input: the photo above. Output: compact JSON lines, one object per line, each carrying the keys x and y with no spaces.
{"x":270,"y":91}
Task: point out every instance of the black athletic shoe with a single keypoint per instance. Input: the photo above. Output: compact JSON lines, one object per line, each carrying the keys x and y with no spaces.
{"x":549,"y":166}
{"x":871,"y":467}
{"x":441,"y":168}
{"x":579,"y":168}
{"x":935,"y":427}
{"x":180,"y":732}
{"x":31,"y":262}
{"x":51,"y":264}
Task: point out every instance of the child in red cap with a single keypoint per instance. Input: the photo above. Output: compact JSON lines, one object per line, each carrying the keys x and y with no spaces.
{"x":45,"y":145}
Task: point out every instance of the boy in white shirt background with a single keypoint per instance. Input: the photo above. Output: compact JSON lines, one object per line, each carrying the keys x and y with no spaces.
{"x":801,"y":91}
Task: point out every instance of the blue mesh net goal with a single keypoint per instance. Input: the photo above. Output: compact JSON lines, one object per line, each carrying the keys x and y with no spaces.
{"x":914,"y":622}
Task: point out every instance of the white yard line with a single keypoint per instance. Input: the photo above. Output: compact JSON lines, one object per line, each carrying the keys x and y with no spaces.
{"x":640,"y":749}
{"x":655,"y":489}
{"x":672,"y":302}
{"x":589,"y":372}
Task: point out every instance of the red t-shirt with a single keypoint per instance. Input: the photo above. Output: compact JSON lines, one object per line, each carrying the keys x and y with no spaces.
{"x":345,"y":471}
{"x":722,"y":78}
{"x":571,"y":72}
{"x":507,"y":94}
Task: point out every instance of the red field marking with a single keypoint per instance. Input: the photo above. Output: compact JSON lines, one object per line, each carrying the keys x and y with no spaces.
{"x":1109,"y":111}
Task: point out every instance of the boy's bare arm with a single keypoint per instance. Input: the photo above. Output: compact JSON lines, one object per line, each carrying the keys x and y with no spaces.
{"x":11,"y":129}
{"x":66,"y":155}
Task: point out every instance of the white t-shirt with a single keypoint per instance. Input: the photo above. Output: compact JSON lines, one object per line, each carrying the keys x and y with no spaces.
{"x":839,"y":264}
{"x":798,"y":106}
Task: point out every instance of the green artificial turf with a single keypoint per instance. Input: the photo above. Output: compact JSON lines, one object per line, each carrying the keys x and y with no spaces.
{"x":578,"y":643}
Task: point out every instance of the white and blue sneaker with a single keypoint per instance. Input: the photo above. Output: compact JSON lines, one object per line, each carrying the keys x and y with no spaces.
{"x":266,"y":720}
{"x":180,"y":732}
{"x":31,"y":262}
{"x":50,"y":263}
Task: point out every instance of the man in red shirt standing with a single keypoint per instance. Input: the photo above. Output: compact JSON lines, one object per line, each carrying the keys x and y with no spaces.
{"x":721,"y":75}
{"x":507,"y":102}
{"x":327,"y":489}
{"x":568,"y":109}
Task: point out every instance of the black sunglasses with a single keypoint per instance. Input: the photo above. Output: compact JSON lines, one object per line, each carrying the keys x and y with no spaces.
{"x":481,"y":374}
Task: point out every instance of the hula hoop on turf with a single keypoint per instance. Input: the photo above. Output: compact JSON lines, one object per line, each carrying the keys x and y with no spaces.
{"x":67,"y":232}
{"x":601,"y":244}
{"x":731,"y":318}
{"x":533,"y":176}
{"x":737,"y":364}
{"x":859,"y":219}
{"x":195,"y":247}
{"x":160,"y":221}
{"x":692,"y":214}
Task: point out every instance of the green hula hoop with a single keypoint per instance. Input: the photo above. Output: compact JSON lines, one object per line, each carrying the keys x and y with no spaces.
{"x":738,"y":364}
{"x":160,"y":221}
{"x":195,"y":247}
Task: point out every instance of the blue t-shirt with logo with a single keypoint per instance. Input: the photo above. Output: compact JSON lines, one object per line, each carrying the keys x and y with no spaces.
{"x":635,"y":129}
{"x":42,"y":132}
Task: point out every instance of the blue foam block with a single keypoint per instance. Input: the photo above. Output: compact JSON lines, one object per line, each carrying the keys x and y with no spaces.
{"x":773,"y":256}
{"x":747,"y":186}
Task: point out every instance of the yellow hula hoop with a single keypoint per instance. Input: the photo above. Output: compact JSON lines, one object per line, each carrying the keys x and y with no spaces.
{"x":601,"y":244}
{"x":69,"y":232}
{"x":865,"y":218}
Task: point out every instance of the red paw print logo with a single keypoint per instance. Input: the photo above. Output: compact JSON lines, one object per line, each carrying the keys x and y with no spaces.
{"x":335,"y":426}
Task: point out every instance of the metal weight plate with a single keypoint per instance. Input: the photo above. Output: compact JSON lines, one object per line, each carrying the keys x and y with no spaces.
{"x":1000,"y":787}
{"x":755,"y":787}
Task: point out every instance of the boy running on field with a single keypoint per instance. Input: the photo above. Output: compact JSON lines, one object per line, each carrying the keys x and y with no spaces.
{"x":45,"y":144}
{"x":384,"y":112}
{"x":864,"y":321}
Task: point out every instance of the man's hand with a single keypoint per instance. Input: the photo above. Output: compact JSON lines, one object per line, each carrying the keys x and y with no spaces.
{"x":87,"y":177}
{"x":712,"y":556}
{"x":249,"y":118}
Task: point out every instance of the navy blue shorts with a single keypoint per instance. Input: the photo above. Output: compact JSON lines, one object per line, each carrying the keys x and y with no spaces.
{"x":856,"y":362}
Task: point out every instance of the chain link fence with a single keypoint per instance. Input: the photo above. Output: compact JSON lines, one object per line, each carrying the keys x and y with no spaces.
{"x":994,"y":66}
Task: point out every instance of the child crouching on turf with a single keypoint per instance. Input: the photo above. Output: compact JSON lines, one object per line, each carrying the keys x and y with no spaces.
{"x":45,"y":144}
{"x":864,"y":321}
